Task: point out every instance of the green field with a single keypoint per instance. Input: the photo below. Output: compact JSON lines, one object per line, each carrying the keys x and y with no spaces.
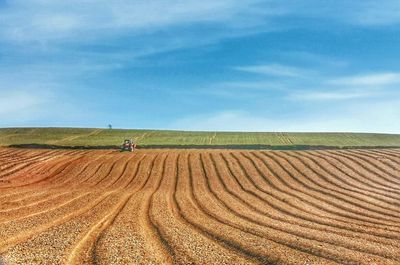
{"x":154,"y":138}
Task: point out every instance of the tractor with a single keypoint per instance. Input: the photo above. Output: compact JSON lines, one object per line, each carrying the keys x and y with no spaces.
{"x":128,"y":145}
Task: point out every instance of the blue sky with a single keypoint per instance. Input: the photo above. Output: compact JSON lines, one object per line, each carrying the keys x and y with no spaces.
{"x":242,"y":65}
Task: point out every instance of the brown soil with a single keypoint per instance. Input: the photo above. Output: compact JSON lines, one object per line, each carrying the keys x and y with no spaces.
{"x":199,"y":207}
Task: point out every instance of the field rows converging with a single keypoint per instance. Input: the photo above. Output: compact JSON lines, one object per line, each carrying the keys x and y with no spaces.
{"x":199,"y":206}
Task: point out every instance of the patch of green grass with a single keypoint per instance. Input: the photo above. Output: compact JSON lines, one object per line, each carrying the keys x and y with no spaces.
{"x":114,"y":137}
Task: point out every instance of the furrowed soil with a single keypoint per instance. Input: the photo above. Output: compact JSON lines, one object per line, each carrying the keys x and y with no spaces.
{"x":199,"y":207}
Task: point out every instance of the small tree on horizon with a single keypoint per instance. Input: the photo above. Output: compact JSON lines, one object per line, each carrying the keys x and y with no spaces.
{"x":110,"y":126}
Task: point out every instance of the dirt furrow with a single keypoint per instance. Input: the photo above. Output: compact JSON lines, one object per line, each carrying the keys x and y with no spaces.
{"x":287,"y":235}
{"x":387,"y":161}
{"x":285,"y":209}
{"x":37,"y":206}
{"x":387,"y":173}
{"x":125,"y":170}
{"x":199,"y":206}
{"x":211,"y":226}
{"x":138,"y":226}
{"x":57,"y":239}
{"x":367,"y":170}
{"x":45,"y":177}
{"x":327,"y":202}
{"x":392,"y":154}
{"x":240,"y":229}
{"x":306,"y":202}
{"x":177,"y":230}
{"x":36,"y":169}
{"x":10,"y":167}
{"x":84,"y":250}
{"x":346,"y":176}
{"x":322,"y":183}
{"x":14,"y":233}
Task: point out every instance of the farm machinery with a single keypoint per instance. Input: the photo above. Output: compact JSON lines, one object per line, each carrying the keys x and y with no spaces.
{"x":128,"y":145}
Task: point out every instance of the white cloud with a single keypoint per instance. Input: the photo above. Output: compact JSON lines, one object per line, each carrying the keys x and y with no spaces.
{"x":71,"y":31}
{"x":16,"y":101}
{"x":21,"y":105}
{"x":37,"y":20}
{"x":365,"y":13}
{"x":315,"y":59}
{"x":261,"y":85}
{"x":274,"y":70}
{"x":363,"y":117}
{"x":378,"y":13}
{"x":24,"y":101}
{"x":328,"y":95}
{"x":374,"y":79}
{"x":90,"y":36}
{"x":231,"y":120}
{"x":76,"y":21}
{"x":310,"y":84}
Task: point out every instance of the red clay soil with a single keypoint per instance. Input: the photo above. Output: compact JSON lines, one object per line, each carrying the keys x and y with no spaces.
{"x":199,"y":207}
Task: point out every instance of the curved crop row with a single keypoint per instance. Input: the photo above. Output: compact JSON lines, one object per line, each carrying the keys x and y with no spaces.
{"x":200,"y":207}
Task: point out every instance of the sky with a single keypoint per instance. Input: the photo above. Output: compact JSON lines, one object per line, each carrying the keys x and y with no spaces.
{"x":231,"y":65}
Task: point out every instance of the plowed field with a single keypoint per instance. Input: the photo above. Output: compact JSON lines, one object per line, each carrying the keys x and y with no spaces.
{"x":199,"y":207}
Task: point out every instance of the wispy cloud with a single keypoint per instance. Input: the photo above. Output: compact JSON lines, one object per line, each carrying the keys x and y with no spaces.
{"x":274,"y":70}
{"x":315,"y":84}
{"x":82,"y":37}
{"x":374,"y":79}
{"x":21,"y":105}
{"x":361,"y":117}
{"x":329,"y":95}
{"x":25,"y":100}
{"x":35,"y":20}
{"x":19,"y":101}
{"x":365,"y":13}
{"x":255,"y":85}
{"x":87,"y":21}
{"x":378,"y":13}
{"x":50,"y":49}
